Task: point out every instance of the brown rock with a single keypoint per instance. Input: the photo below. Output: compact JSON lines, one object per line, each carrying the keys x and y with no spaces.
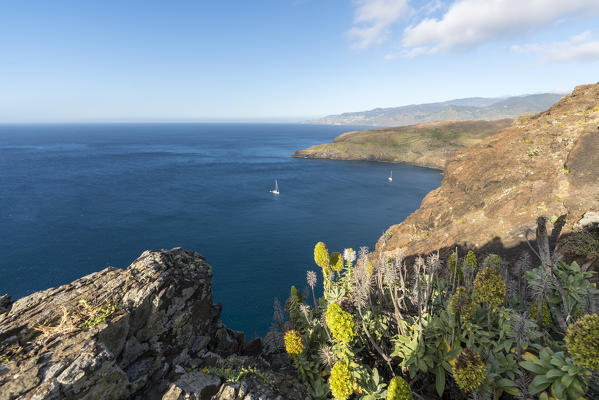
{"x":545,"y":164}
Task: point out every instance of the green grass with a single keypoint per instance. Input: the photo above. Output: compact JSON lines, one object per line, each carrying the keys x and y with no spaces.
{"x":429,"y":144}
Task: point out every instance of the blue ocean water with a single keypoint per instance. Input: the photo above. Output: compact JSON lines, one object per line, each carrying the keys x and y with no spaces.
{"x":77,"y":198}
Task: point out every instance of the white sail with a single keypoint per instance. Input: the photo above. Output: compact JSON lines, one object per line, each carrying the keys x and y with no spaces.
{"x":276,"y":191}
{"x":390,"y":177}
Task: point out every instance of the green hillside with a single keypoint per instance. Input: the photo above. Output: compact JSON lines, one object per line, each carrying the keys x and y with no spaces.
{"x":429,"y":144}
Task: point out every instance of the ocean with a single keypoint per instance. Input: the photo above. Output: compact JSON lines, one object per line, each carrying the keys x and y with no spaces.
{"x":77,"y":198}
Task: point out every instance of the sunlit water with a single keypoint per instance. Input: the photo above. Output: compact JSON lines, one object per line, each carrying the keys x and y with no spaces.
{"x":77,"y":198}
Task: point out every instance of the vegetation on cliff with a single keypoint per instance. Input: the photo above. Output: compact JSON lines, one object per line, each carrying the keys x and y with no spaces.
{"x":429,"y":144}
{"x":387,"y":329}
{"x":543,"y":164}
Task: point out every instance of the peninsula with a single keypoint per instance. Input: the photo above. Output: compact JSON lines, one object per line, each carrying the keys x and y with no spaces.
{"x":429,"y":144}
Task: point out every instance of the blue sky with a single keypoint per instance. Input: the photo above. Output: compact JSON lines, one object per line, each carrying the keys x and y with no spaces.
{"x":282,"y":59}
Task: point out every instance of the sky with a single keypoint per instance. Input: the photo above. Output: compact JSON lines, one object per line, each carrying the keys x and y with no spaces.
{"x":282,"y":60}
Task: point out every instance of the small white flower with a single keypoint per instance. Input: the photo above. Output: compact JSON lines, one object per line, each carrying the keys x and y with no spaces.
{"x":349,"y":255}
{"x":311,"y":278}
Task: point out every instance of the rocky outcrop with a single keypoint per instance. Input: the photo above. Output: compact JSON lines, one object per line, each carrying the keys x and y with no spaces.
{"x":542,"y":165}
{"x":139,"y":333}
{"x":428,"y":144}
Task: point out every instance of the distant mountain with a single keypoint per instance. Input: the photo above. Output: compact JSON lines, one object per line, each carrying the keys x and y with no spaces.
{"x":473,"y":108}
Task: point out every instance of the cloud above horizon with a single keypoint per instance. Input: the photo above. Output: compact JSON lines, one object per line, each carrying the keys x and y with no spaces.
{"x":465,"y":24}
{"x":372,"y":20}
{"x":581,"y":47}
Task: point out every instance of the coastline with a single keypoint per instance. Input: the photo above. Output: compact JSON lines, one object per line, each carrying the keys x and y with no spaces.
{"x":428,"y":145}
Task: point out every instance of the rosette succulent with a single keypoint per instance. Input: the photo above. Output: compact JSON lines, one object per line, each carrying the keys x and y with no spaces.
{"x":294,"y":345}
{"x":341,"y":381}
{"x":469,"y":372}
{"x":340,"y":323}
{"x":489,"y":287}
{"x":582,"y":341}
{"x":461,"y":303}
{"x":399,"y":389}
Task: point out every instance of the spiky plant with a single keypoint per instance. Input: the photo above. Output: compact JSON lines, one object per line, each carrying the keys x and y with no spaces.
{"x":582,"y":341}
{"x":399,"y":389}
{"x":545,"y":319}
{"x":294,"y":345}
{"x":489,"y":287}
{"x":340,"y":323}
{"x":470,"y":371}
{"x":321,"y":255}
{"x":341,"y":381}
{"x":461,"y":304}
{"x":336,"y":262}
{"x":470,"y":261}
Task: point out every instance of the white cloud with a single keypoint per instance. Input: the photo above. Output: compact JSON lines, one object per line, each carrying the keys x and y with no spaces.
{"x":468,"y":23}
{"x":582,"y":47}
{"x":373,"y":19}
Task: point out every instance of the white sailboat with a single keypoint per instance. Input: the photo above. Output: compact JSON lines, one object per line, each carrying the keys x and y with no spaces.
{"x":276,"y":191}
{"x":390,"y":177}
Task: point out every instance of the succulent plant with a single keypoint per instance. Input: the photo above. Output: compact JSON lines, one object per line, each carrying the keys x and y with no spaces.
{"x":399,"y":389}
{"x":470,"y":261}
{"x":336,"y":261}
{"x":340,"y":323}
{"x":321,"y":255}
{"x":296,"y":295}
{"x":469,"y":372}
{"x":546,"y":316}
{"x":489,"y":287}
{"x":294,"y":344}
{"x":461,"y":303}
{"x":452,"y":264}
{"x":492,"y":261}
{"x":341,"y":381}
{"x":582,"y":341}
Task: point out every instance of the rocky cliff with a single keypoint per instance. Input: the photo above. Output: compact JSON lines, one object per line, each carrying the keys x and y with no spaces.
{"x":148,"y":332}
{"x":428,"y":144}
{"x":546,"y":164}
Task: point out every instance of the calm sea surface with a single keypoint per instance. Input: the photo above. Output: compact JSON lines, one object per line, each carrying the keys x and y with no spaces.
{"x":77,"y":198}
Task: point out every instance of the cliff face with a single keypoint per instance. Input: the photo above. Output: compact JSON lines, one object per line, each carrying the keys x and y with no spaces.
{"x":429,"y":144}
{"x":546,"y":164}
{"x":144,"y":332}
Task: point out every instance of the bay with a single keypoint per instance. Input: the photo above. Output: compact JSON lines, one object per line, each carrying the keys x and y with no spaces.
{"x":79,"y":197}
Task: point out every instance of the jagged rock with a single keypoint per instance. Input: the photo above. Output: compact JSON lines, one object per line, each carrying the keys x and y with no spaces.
{"x":545,"y":164}
{"x":130,"y":334}
{"x":113,"y":334}
{"x":254,"y":389}
{"x":193,"y":386}
{"x":5,"y":302}
{"x":227,"y":341}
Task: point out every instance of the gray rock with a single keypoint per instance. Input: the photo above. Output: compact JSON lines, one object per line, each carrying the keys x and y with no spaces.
{"x":111,"y":334}
{"x":129,"y":334}
{"x":193,"y":386}
{"x":589,"y":220}
{"x":5,"y":303}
